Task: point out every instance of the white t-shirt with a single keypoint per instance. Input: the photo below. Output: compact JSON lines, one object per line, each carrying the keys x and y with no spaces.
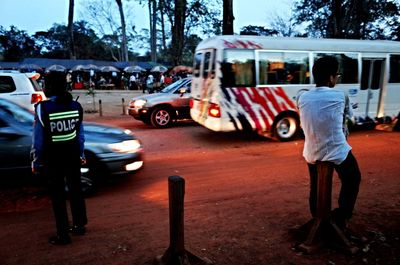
{"x":321,"y":117}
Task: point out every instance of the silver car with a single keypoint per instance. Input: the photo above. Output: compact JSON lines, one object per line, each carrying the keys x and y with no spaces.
{"x":163,"y":108}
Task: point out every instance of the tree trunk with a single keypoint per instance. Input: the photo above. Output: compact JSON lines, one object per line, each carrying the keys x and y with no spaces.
{"x":154,"y":32}
{"x":178,"y":31}
{"x":124,"y":46}
{"x":227,"y":23}
{"x":337,"y":19}
{"x":72,"y":54}
{"x":164,"y":38}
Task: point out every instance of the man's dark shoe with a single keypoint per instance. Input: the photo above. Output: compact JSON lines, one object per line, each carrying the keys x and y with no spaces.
{"x":77,"y":230}
{"x":60,"y":240}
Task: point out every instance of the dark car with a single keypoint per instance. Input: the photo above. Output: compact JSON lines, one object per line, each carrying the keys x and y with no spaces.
{"x":163,"y":108}
{"x":108,"y":150}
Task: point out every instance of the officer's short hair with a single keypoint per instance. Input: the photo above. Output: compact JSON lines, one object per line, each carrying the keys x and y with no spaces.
{"x":324,"y":68}
{"x":55,"y":83}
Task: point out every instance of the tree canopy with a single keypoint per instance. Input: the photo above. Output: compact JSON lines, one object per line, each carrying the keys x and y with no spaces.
{"x":178,"y":26}
{"x":351,"y":19}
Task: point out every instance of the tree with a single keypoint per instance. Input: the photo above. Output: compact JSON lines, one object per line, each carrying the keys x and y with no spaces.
{"x":227,"y":20}
{"x":257,"y":31}
{"x":284,"y":26}
{"x":178,"y":31}
{"x":16,"y":44}
{"x":71,"y":30}
{"x":102,"y":17}
{"x":124,"y":45}
{"x":153,"y":29}
{"x":357,"y":19}
{"x":54,"y":42}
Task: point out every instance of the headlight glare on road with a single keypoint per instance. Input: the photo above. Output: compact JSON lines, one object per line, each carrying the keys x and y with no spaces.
{"x":130,"y":146}
{"x":139,"y":103}
{"x":134,"y":166}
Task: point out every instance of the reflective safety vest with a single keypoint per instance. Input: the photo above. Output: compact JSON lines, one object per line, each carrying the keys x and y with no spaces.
{"x":61,"y":123}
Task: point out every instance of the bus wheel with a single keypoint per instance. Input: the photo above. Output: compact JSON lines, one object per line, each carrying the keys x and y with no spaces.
{"x":161,"y":117}
{"x":286,"y":128}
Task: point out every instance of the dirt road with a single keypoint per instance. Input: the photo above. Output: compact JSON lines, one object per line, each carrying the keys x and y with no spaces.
{"x":243,"y":194}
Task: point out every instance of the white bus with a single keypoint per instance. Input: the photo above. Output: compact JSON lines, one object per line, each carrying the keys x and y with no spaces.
{"x":249,"y":83}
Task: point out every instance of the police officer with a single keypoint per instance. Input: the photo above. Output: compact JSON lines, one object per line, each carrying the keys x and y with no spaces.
{"x":57,"y":151}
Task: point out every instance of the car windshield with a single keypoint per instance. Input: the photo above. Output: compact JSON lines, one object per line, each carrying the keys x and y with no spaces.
{"x":20,"y":114}
{"x":172,"y":87}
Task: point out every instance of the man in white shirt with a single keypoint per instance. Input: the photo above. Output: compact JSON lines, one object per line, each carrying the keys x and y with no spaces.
{"x":322,"y":114}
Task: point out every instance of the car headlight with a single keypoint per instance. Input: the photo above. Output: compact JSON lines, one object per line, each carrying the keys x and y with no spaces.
{"x":130,"y":146}
{"x":139,"y":103}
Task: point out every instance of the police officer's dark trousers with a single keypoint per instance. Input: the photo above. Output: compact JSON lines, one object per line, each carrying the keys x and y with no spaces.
{"x":350,"y":177}
{"x":61,"y":173}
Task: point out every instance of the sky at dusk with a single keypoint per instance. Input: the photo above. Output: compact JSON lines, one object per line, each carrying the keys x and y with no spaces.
{"x":38,"y":15}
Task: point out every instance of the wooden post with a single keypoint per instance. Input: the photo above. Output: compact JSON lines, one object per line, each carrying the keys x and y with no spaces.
{"x":123,"y":107}
{"x":176,"y":254}
{"x":319,"y":233}
{"x":100,"y":108}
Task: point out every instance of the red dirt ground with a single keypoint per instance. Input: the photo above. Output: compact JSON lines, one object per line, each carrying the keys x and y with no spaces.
{"x":242,"y":198}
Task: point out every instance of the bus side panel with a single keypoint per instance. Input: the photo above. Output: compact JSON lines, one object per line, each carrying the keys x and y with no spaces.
{"x":255,"y":108}
{"x":392,"y":100}
{"x":244,"y":108}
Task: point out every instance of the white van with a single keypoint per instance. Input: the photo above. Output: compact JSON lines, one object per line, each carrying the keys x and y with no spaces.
{"x":21,"y":88}
{"x":249,"y":83}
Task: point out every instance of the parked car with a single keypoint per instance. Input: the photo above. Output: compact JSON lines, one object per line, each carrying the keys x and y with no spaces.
{"x":108,"y":150}
{"x":163,"y":108}
{"x":21,"y":88}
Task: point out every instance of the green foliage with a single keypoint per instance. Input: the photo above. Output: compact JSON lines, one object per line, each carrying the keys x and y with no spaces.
{"x":356,"y":19}
{"x":258,"y":31}
{"x":16,"y":44}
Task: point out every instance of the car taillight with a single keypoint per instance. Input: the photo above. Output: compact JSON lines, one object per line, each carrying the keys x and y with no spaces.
{"x":191,"y":103}
{"x":214,"y":110}
{"x":36,"y":98}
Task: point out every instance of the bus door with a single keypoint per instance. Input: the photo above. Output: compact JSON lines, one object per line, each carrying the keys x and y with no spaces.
{"x":372,"y":81}
{"x":204,"y":69}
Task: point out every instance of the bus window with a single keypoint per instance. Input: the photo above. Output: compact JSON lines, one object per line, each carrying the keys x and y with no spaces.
{"x":376,"y":74}
{"x":197,"y":63}
{"x":283,"y":68}
{"x":394,"y":69}
{"x":348,"y":66}
{"x":207,"y":61}
{"x":238,"y":68}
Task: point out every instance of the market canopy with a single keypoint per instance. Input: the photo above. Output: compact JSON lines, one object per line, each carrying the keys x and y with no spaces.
{"x":108,"y":69}
{"x":134,"y":69}
{"x":159,"y":68}
{"x":56,"y":68}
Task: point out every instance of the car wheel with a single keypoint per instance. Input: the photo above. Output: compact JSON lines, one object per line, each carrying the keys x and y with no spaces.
{"x":161,"y":117}
{"x":286,"y":128}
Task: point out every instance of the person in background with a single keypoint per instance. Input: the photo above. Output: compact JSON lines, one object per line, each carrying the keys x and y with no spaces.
{"x":150,"y":83}
{"x":322,"y":116}
{"x":132,"y":82}
{"x":68,"y":79}
{"x":58,"y":153}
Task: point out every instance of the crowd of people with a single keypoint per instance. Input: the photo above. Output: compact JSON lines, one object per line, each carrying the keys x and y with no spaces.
{"x":149,"y":82}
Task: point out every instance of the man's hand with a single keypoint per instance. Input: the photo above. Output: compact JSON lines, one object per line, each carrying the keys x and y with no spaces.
{"x":35,"y":170}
